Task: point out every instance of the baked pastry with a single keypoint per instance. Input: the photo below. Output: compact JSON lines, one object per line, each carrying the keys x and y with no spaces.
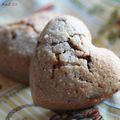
{"x":17,"y":44}
{"x":67,"y":72}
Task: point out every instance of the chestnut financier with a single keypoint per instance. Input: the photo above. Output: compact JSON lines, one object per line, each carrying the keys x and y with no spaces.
{"x":67,"y":71}
{"x":17,"y":44}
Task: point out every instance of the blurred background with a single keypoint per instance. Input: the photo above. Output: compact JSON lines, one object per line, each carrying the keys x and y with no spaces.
{"x":101,"y":16}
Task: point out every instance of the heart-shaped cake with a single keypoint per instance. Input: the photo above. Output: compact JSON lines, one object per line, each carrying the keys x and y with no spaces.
{"x":67,"y":71}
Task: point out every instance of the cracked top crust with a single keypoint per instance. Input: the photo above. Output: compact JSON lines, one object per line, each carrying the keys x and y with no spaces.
{"x":67,"y":71}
